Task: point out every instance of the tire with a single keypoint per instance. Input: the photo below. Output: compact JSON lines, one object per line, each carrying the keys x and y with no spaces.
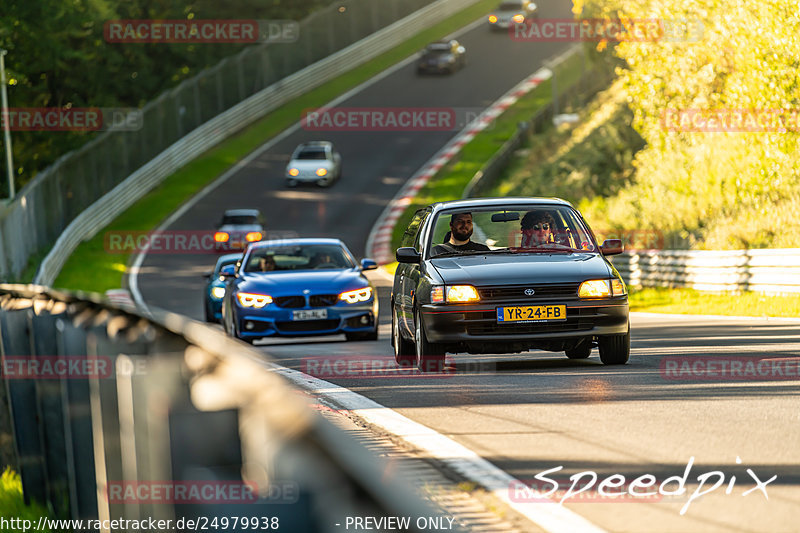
{"x":404,"y":352}
{"x":209,"y":316}
{"x":615,"y":349}
{"x":324,"y":182}
{"x":430,"y":356}
{"x":291,"y":183}
{"x":581,"y":351}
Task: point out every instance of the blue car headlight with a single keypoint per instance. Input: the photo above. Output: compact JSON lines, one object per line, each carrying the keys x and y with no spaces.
{"x":247,"y":299}
{"x":356,"y":296}
{"x":217,"y":293}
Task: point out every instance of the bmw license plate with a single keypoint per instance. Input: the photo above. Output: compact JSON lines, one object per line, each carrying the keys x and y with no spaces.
{"x":310,"y":314}
{"x":532,"y":313}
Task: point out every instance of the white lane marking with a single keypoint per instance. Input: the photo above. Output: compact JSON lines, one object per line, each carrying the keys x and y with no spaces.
{"x":673,"y":316}
{"x":550,"y":516}
{"x":133,"y":275}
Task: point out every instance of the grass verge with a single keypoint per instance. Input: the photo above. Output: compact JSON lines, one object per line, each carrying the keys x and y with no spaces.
{"x":12,"y":504}
{"x":451,"y":180}
{"x":92,"y":268}
{"x":693,"y":302}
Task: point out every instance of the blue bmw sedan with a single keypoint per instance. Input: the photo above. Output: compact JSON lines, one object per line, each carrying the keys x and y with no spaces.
{"x":300,"y":287}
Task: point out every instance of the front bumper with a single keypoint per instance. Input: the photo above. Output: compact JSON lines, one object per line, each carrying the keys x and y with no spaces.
{"x":310,"y":176}
{"x":477,"y":323}
{"x":274,"y":321}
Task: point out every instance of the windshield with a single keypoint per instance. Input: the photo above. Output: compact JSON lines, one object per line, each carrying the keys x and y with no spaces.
{"x":300,"y":257}
{"x":439,"y":48}
{"x":239,"y":220}
{"x":517,"y":229}
{"x":312,"y":153}
{"x":510,"y":6}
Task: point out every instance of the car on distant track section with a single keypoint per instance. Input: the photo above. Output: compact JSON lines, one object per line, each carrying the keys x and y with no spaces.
{"x":533,"y":277}
{"x":314,"y":161}
{"x":238,"y":228}
{"x":299,"y":287}
{"x":511,"y":13}
{"x":215,"y":287}
{"x":442,"y":57}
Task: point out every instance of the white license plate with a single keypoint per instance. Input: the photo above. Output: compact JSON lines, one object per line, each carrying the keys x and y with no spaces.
{"x":310,"y":314}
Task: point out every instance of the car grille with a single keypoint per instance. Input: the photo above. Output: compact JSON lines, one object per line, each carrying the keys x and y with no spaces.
{"x":290,"y":301}
{"x":509,"y":293}
{"x":323,"y":300}
{"x":486,"y":324}
{"x":296,"y":326}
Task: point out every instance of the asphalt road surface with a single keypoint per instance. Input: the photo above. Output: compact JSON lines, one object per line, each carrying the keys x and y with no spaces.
{"x":532,"y":412}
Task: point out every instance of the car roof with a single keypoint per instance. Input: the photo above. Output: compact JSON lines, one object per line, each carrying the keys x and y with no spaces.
{"x":497,"y":202}
{"x":296,"y":242}
{"x":241,"y":212}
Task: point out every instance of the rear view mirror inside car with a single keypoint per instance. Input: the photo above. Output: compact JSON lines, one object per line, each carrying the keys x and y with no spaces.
{"x":505,"y":216}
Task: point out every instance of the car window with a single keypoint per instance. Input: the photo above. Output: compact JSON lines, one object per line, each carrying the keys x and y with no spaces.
{"x":221,"y":264}
{"x":530,"y":227}
{"x":439,"y":47}
{"x":410,"y":236}
{"x":510,"y":6}
{"x":312,"y":154}
{"x":301,"y":257}
{"x":239,"y":220}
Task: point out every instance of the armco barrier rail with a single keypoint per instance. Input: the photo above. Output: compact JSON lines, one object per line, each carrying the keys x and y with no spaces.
{"x":773,"y":271}
{"x":116,"y":416}
{"x":61,"y":202}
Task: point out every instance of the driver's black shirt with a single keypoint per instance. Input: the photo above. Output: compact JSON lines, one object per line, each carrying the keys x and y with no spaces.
{"x":468,"y":247}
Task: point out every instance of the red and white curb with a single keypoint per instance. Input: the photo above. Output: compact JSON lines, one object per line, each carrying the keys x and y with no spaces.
{"x":380,"y":237}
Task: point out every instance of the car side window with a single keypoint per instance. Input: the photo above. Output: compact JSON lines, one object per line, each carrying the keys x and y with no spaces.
{"x":411,"y":235}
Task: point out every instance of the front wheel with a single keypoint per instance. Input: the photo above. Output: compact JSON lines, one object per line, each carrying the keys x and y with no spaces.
{"x":615,"y":349}
{"x":430,"y":356}
{"x":404,"y":354}
{"x":581,"y":351}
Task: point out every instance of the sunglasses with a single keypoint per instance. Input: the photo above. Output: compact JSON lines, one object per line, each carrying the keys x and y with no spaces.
{"x":542,"y":226}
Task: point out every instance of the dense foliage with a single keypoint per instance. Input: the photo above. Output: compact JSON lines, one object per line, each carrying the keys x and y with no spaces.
{"x":58,"y":57}
{"x":720,"y":189}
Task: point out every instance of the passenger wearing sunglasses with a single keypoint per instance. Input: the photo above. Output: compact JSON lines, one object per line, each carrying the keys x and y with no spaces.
{"x":537,"y":229}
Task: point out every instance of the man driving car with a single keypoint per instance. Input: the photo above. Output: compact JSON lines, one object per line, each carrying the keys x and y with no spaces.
{"x":460,"y":233}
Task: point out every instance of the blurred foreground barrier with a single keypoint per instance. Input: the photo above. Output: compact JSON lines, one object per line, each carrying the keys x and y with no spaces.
{"x":772,"y":271}
{"x":119,"y":416}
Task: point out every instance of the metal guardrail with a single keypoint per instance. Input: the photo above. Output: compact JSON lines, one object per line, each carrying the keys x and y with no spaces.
{"x":60,"y":205}
{"x":772,"y":271}
{"x":171,"y":403}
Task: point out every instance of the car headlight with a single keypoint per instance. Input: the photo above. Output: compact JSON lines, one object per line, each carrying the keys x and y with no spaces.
{"x":602,"y":288}
{"x":218,"y":293}
{"x":221,"y":236}
{"x":293,"y":172}
{"x":253,"y":236}
{"x":321,"y":172}
{"x":492,"y":19}
{"x":358,"y":295}
{"x":457,"y":294}
{"x":249,"y":299}
{"x":519,"y":19}
{"x":462,"y":294}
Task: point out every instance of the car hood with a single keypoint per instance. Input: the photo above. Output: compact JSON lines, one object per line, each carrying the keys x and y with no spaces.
{"x":518,"y":269}
{"x":311,"y":164}
{"x":291,"y":283}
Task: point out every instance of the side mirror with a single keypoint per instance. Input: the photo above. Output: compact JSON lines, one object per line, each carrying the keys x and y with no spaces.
{"x":611,"y":247}
{"x":228,"y":271}
{"x":408,"y":255}
{"x":368,"y":264}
